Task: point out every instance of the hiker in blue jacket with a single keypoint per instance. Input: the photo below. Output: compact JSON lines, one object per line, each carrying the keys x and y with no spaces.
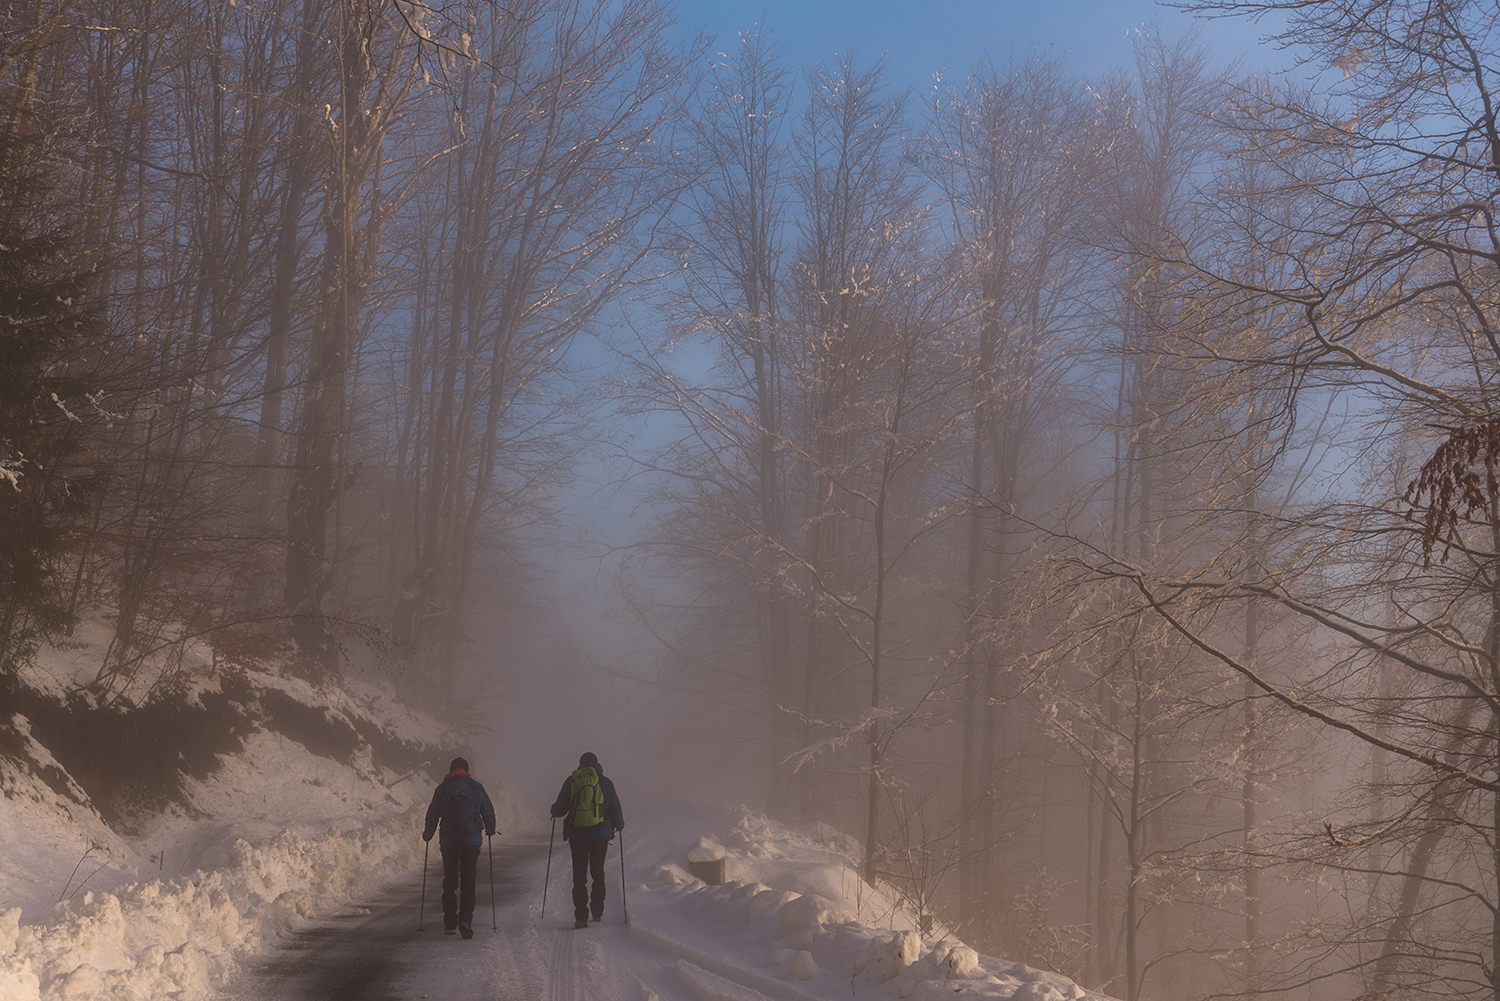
{"x":467,"y":817}
{"x":592,"y":815}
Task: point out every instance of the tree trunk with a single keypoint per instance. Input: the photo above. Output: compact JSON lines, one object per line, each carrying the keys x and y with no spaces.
{"x":1250,"y":791}
{"x":970,"y":822}
{"x":286,"y":259}
{"x":313,"y":489}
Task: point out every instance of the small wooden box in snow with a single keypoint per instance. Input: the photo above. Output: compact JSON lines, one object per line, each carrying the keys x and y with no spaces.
{"x":711,"y":872}
{"x":706,"y":862}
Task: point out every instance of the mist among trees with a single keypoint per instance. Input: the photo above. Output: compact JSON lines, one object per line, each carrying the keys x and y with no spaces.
{"x":1082,"y":490}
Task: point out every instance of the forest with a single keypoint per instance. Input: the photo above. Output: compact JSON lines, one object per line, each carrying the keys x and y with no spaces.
{"x":1082,"y":490}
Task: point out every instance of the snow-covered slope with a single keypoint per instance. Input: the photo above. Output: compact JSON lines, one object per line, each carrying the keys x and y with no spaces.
{"x":151,"y":844}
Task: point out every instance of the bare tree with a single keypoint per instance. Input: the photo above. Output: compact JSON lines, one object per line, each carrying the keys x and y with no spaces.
{"x":1014,"y":154}
{"x":555,"y":187}
{"x":733,"y":470}
{"x":1382,"y":293}
{"x":374,"y":77}
{"x":854,"y":190}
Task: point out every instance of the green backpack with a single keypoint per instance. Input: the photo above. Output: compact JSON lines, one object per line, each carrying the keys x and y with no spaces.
{"x":588,"y":798}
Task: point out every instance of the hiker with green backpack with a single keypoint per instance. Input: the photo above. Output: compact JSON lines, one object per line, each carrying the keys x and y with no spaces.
{"x":591,"y":816}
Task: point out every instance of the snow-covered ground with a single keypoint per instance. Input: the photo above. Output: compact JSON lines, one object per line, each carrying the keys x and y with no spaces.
{"x":228,"y":861}
{"x":792,"y":921}
{"x":797,"y":926}
{"x":189,"y":901}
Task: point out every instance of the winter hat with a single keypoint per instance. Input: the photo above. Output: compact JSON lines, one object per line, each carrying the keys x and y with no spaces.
{"x":588,"y":758}
{"x":458,"y":765}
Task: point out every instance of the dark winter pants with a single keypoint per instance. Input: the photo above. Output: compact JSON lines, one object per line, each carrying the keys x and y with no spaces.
{"x":588,"y":860}
{"x":459,"y":865}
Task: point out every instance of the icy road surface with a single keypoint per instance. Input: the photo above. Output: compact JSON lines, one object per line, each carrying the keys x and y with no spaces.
{"x":377,"y":951}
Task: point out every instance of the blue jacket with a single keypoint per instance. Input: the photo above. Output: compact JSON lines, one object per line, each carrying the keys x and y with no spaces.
{"x":614,"y":818}
{"x":463,"y":807}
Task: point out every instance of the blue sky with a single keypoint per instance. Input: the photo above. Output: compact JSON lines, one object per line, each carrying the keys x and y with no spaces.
{"x":920,"y":37}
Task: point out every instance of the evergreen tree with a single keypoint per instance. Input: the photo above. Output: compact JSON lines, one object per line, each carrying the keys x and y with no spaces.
{"x":46,"y":408}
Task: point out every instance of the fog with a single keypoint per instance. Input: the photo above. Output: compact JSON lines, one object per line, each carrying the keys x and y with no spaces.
{"x":1055,"y":446}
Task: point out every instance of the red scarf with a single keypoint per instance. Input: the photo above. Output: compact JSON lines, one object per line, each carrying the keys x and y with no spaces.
{"x":456,"y":771}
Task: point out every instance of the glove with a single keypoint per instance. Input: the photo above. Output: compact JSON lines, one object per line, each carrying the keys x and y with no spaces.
{"x":427,"y":835}
{"x":490,"y":834}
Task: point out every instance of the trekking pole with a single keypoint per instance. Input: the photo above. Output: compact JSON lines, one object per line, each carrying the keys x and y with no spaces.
{"x":494,"y":921}
{"x":623,"y":906}
{"x":548,"y":878}
{"x":427,"y":847}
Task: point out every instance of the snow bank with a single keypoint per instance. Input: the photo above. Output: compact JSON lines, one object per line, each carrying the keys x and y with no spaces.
{"x":179,"y":938}
{"x":287,"y":802}
{"x":176,"y":938}
{"x":824,"y":931}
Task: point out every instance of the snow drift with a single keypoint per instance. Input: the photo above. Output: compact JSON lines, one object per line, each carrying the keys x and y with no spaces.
{"x":794,"y":911}
{"x":153,"y":846}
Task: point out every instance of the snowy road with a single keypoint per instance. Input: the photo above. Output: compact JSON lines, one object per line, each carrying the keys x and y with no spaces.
{"x":787,"y":930}
{"x":377,"y":954}
{"x":794,"y":922}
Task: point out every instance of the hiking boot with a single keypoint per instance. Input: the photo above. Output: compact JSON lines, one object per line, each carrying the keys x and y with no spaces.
{"x":466,"y":931}
{"x":597,"y":917}
{"x":450,"y":931}
{"x":580,"y":924}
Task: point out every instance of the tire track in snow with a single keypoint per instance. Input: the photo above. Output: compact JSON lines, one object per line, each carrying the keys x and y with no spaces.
{"x":563,"y":983}
{"x":517,"y":961}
